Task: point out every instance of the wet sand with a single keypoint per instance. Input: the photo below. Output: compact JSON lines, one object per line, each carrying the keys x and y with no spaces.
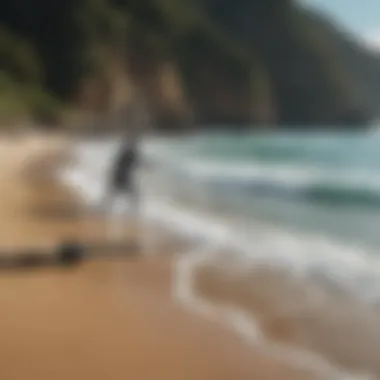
{"x":110,"y":319}
{"x":296,"y":312}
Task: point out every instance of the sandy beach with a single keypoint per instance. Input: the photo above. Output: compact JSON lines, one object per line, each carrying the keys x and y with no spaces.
{"x":119,"y":319}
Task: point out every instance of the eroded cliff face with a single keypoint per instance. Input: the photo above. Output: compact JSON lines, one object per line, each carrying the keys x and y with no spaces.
{"x":251,"y":63}
{"x":244,"y":63}
{"x":201,"y":81}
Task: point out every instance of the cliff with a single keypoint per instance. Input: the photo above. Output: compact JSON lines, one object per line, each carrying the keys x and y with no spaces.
{"x":245,"y":62}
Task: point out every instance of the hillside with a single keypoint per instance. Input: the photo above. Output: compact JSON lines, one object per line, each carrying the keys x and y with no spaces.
{"x":362,"y":63}
{"x":258,"y":62}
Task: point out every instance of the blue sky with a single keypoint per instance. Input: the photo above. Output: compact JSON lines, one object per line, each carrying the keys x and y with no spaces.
{"x":360,"y":16}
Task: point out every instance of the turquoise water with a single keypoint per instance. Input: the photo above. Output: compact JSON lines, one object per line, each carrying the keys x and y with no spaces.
{"x":329,"y":288}
{"x":325,"y":184}
{"x":260,"y":196}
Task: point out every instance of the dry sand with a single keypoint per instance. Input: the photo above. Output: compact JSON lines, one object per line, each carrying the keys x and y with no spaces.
{"x":109,"y":319}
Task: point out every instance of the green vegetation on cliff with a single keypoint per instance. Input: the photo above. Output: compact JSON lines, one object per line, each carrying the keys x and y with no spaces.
{"x":260,"y":62}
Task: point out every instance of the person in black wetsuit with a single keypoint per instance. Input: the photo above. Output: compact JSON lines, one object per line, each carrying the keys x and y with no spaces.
{"x":123,"y":169}
{"x":122,"y":182}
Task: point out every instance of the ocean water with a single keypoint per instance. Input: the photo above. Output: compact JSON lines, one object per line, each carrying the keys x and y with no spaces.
{"x":310,"y":202}
{"x":327,"y":185}
{"x":307,"y":206}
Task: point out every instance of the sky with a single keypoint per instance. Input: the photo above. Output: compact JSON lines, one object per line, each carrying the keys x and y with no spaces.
{"x":359,"y":16}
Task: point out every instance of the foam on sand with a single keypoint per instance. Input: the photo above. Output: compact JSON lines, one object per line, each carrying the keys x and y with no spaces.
{"x":254,"y":245}
{"x":354,"y":268}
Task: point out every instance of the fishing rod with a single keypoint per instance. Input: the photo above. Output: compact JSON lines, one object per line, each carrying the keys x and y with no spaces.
{"x":66,"y":254}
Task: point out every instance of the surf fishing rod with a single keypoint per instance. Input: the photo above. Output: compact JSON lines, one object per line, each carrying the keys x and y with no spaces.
{"x":66,"y":254}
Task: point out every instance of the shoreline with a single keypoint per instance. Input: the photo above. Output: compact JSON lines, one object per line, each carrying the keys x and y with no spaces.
{"x":294,"y":328}
{"x":280,"y":329}
{"x":110,"y":319}
{"x":103,"y":319}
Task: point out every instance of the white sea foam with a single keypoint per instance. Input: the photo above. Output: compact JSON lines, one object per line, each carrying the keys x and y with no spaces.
{"x":353,"y":268}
